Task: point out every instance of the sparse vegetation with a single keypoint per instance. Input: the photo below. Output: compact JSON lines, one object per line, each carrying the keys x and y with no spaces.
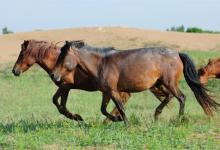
{"x":29,"y":120}
{"x":177,"y":28}
{"x":190,"y":29}
{"x":6,"y":31}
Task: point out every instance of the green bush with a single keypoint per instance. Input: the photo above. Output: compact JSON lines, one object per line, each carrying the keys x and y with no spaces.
{"x":6,"y":31}
{"x":194,"y":30}
{"x":177,"y":29}
{"x":190,"y":29}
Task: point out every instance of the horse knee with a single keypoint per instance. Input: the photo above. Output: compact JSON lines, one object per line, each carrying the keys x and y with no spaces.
{"x":182,"y":99}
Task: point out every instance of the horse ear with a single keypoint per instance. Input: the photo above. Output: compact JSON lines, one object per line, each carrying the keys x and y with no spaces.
{"x":210,"y":60}
{"x":25,"y":44}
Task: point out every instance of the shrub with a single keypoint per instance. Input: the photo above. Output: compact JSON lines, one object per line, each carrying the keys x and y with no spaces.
{"x":177,"y":29}
{"x":194,"y":30}
{"x":6,"y":31}
{"x":190,"y":29}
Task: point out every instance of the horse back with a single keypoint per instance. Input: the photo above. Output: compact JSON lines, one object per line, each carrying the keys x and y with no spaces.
{"x":139,"y":69}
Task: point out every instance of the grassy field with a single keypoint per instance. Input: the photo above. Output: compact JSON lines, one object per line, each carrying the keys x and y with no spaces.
{"x":29,"y":120}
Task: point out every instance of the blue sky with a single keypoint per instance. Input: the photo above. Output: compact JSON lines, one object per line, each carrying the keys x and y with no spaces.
{"x":29,"y":15}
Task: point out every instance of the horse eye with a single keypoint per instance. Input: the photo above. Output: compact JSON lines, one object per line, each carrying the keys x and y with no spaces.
{"x":69,"y":66}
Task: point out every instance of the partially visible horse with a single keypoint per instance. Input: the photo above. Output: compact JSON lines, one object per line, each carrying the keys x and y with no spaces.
{"x":133,"y":71}
{"x":211,"y":70}
{"x":45,"y":54}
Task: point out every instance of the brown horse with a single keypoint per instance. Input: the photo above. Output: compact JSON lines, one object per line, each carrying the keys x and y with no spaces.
{"x":212,"y":69}
{"x":133,"y":71}
{"x":45,"y":54}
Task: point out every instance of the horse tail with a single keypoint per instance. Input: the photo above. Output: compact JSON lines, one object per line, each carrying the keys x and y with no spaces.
{"x":191,"y":76}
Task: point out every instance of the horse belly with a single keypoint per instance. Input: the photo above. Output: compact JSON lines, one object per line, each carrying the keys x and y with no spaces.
{"x":137,"y":81}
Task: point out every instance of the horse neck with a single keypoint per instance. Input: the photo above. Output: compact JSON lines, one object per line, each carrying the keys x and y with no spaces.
{"x":49,"y":60}
{"x":89,"y":62}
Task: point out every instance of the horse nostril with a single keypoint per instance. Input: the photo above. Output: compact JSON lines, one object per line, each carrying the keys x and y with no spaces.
{"x":16,"y":72}
{"x":52,"y":76}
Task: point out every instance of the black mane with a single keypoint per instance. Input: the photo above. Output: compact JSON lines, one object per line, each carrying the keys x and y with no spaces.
{"x":77,"y":44}
{"x":63,"y":52}
{"x":80,"y":44}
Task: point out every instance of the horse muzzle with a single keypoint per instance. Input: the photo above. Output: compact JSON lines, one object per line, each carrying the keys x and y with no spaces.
{"x":16,"y":72}
{"x":55,"y":77}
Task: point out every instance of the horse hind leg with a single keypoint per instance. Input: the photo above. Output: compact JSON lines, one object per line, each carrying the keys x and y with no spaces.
{"x":171,"y":83}
{"x":168,"y":96}
{"x":180,"y":97}
{"x":163,"y":95}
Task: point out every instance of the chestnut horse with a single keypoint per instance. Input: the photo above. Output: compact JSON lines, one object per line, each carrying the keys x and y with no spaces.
{"x":133,"y":71}
{"x":45,"y":54}
{"x":212,"y":69}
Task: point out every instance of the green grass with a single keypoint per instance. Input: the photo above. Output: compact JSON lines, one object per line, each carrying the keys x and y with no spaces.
{"x":29,"y":120}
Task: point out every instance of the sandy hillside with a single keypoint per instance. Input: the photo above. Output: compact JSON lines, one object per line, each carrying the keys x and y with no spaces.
{"x":122,"y":38}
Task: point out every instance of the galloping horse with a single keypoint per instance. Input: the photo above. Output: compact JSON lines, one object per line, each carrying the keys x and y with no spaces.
{"x":133,"y":71}
{"x":212,"y":69}
{"x":45,"y":54}
{"x":159,"y":91}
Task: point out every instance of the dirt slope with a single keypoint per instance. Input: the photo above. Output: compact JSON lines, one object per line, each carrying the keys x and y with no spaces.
{"x":119,"y":37}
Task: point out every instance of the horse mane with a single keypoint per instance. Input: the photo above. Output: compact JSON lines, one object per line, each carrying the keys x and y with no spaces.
{"x":215,"y":60}
{"x":39,"y":49}
{"x":63,"y":52}
{"x":81,"y":45}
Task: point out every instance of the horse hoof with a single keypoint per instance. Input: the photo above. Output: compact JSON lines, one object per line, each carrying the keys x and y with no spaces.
{"x":78,"y":117}
{"x":126,"y":123}
{"x":118,"y":118}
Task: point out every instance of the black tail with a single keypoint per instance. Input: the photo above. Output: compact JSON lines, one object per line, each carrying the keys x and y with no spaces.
{"x":192,"y":79}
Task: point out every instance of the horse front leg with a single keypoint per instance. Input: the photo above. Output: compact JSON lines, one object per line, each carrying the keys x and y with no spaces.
{"x":56,"y":98}
{"x":117,"y":100}
{"x":63,"y":93}
{"x":105,"y":102}
{"x":63,"y":109}
{"x":125,"y":96}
